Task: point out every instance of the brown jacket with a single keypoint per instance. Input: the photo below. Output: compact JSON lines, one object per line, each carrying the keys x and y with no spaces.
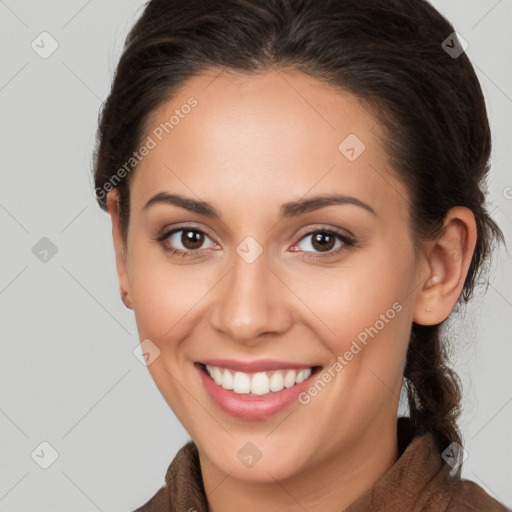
{"x":419,"y":481}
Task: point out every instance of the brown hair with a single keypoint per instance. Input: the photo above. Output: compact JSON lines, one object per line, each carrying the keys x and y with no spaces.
{"x":389,"y":54}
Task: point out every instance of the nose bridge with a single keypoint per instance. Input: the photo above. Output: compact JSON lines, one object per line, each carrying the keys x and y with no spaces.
{"x":249,"y":304}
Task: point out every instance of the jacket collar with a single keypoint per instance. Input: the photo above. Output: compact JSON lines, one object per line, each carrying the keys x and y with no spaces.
{"x":418,"y":481}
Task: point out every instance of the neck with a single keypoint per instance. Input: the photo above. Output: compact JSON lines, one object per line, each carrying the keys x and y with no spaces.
{"x":330,"y":485}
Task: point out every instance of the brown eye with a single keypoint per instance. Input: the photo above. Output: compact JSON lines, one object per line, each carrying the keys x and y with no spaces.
{"x":323,"y":241}
{"x":184,"y":241}
{"x":192,"y":239}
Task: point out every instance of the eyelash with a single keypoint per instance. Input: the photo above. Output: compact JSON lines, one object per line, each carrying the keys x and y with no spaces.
{"x":347,"y":241}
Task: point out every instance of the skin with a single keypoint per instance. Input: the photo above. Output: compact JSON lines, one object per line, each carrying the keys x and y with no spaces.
{"x":252,"y":143}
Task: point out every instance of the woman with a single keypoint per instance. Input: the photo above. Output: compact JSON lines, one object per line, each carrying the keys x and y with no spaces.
{"x":295,"y":195}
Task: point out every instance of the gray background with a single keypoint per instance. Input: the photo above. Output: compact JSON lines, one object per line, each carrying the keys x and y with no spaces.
{"x":68,"y":374}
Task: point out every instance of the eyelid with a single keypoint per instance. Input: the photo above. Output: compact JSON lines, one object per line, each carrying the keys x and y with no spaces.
{"x":168,"y":230}
{"x":339,"y":231}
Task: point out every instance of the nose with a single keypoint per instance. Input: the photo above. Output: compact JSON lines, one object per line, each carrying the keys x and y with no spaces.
{"x":251,"y":302}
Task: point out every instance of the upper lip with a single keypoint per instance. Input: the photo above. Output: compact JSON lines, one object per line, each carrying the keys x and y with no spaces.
{"x":254,"y":366}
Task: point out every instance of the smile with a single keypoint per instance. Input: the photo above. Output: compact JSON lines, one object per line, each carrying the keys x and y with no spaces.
{"x":254,"y":391}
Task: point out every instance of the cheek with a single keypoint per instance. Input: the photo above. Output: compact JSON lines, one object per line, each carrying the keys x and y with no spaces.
{"x":161,"y":298}
{"x":156,"y":291}
{"x":364,"y":317}
{"x":164,"y":297}
{"x":168,"y":299}
{"x":359,"y":293}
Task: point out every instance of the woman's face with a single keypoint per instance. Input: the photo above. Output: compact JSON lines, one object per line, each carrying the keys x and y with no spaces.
{"x":271,"y":276}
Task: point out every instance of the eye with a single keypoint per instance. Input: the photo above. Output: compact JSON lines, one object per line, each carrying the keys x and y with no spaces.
{"x":183,"y":241}
{"x":186,"y":241}
{"x":328,"y":242}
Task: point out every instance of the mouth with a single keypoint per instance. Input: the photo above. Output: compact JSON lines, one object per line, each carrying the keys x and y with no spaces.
{"x":259,"y":383}
{"x":255,"y":395}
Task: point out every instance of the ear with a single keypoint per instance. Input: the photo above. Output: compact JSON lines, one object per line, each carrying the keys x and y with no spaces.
{"x":448,"y":259}
{"x":112,"y":202}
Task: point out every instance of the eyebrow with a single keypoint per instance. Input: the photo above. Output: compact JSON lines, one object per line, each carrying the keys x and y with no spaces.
{"x":288,"y":210}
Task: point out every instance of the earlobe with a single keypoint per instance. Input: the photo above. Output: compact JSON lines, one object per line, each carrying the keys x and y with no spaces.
{"x":448,"y":260}
{"x":125,"y":297}
{"x":119,"y":247}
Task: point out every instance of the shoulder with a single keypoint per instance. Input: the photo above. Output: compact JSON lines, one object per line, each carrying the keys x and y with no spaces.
{"x":467,"y":496}
{"x":183,"y":484}
{"x":158,"y":503}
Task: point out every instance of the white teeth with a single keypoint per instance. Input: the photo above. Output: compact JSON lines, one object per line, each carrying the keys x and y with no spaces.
{"x":303,"y":375}
{"x":217,"y":375}
{"x":227,"y":380}
{"x":241,"y":383}
{"x":277,"y":382}
{"x":260,"y":383}
{"x":289,"y":379}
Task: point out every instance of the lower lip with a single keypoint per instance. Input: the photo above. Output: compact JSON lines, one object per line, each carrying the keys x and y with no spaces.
{"x":252,"y":407}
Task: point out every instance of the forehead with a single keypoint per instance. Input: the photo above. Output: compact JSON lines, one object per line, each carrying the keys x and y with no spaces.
{"x":267,"y":136}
